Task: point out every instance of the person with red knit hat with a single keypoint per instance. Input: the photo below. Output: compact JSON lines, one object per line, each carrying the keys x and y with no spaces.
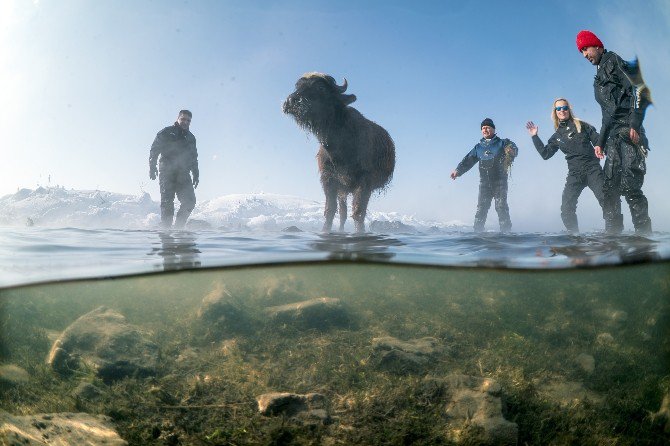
{"x":623,"y":98}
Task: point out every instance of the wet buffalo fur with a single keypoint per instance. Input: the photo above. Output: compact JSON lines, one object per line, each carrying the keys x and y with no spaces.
{"x":356,"y":156}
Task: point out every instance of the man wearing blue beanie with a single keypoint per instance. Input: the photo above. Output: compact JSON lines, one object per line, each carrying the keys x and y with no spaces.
{"x":495,"y":157}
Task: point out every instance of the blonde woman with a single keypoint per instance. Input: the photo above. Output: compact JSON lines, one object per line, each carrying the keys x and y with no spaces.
{"x":576,"y":139}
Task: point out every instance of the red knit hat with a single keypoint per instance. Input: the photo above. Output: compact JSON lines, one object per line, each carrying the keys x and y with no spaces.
{"x":586,"y":39}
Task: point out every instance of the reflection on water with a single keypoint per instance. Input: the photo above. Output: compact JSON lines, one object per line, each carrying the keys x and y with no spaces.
{"x":631,"y":249}
{"x":178,"y":249}
{"x":368,"y":247}
{"x":40,"y":254}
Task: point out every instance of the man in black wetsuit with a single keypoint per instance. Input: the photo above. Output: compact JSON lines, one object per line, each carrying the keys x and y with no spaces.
{"x":495,"y":157}
{"x":178,"y":161}
{"x":576,"y":139}
{"x":622,"y":137}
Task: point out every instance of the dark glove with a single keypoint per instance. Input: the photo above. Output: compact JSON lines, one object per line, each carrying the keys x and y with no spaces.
{"x":153,"y":172}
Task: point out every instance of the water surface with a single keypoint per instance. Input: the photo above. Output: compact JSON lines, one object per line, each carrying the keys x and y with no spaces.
{"x":38,"y":254}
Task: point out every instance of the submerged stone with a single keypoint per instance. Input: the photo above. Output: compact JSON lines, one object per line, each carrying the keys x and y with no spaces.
{"x":12,"y":376}
{"x":58,"y":429}
{"x":221,"y":317}
{"x":568,"y":393}
{"x":663,"y":415}
{"x":105,"y":342}
{"x":87,"y":392}
{"x":586,"y":362}
{"x":473,"y":406}
{"x":604,"y":339}
{"x":319,"y":313}
{"x":310,"y":406}
{"x":403,"y":357}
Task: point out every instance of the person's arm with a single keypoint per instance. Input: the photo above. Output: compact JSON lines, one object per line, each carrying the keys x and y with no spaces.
{"x":612,"y":73}
{"x":547,"y":151}
{"x":194,"y":166}
{"x":153,"y":155}
{"x":466,"y":164}
{"x":591,"y":132}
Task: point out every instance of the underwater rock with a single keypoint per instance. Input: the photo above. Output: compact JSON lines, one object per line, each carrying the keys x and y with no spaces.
{"x":619,"y":316}
{"x":604,"y":339}
{"x":663,"y":415}
{"x":390,"y":227}
{"x":474,"y":408}
{"x":12,"y":376}
{"x":58,"y":429}
{"x":285,"y":289}
{"x":162,"y":395}
{"x":610,"y":317}
{"x":403,"y":357}
{"x":308,"y":407}
{"x":188,"y":355}
{"x":568,"y":393}
{"x":586,"y":362}
{"x":87,"y":392}
{"x":222,"y":317}
{"x":319,"y":313}
{"x":105,"y":342}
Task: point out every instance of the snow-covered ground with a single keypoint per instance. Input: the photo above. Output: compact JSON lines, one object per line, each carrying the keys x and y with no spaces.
{"x":60,"y":207}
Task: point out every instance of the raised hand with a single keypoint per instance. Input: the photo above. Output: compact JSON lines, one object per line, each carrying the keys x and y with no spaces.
{"x":532,"y":128}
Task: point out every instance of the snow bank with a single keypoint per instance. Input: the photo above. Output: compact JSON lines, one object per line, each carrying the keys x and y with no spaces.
{"x":59,"y":207}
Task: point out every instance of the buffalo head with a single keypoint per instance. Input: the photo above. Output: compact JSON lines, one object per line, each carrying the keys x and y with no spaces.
{"x":317,"y":99}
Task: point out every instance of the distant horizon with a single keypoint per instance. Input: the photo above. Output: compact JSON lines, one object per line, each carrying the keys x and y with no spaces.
{"x":87,"y":86}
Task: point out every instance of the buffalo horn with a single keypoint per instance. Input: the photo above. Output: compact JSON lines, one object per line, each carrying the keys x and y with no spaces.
{"x":342,"y":88}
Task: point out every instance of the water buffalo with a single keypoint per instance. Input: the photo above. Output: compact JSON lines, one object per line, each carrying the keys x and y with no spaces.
{"x":356,"y":156}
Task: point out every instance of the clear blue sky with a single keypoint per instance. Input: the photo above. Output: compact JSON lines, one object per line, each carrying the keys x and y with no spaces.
{"x":85,"y":86}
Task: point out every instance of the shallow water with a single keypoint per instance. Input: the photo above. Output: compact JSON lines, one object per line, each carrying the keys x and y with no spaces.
{"x":529,"y":330}
{"x":29,"y":255}
{"x":574,"y":329}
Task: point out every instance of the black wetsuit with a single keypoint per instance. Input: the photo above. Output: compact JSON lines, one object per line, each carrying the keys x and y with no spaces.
{"x":490,"y":153}
{"x":583,"y":165}
{"x":625,"y":165}
{"x":178,"y":160}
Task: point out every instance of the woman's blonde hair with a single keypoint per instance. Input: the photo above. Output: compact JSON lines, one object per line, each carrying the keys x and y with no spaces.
{"x":554,"y":116}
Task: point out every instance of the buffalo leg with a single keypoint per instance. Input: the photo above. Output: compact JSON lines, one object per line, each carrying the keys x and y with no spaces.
{"x":342,"y":209}
{"x":360,"y":207}
{"x":331,"y":206}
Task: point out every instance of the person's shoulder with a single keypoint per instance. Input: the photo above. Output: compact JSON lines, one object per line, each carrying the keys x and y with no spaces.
{"x":585,"y":124}
{"x":167,"y":129}
{"x":609,"y":53}
{"x":610,"y":58}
